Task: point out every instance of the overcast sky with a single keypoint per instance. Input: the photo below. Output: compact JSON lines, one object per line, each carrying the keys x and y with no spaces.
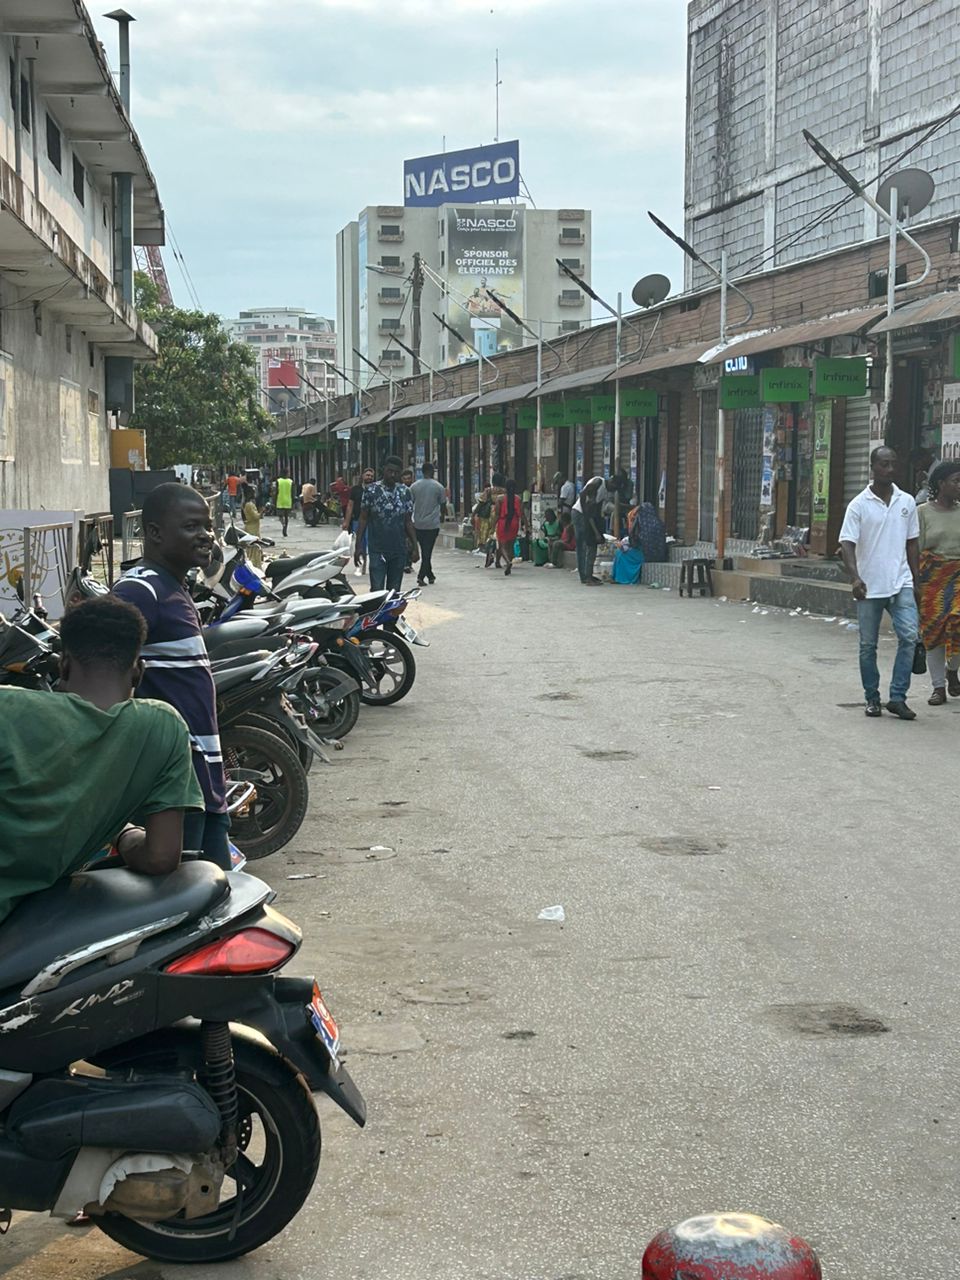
{"x":269,"y":126}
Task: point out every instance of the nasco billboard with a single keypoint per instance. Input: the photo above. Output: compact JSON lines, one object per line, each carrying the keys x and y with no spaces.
{"x":484,"y":250}
{"x":480,"y":173}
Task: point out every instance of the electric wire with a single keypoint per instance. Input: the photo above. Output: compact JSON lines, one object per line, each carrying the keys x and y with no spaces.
{"x":791,"y":238}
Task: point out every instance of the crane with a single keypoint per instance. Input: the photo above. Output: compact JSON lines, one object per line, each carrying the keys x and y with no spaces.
{"x":150,"y":262}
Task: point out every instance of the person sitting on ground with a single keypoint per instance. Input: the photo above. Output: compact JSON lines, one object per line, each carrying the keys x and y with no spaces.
{"x":568,"y":539}
{"x":76,"y":766}
{"x":648,"y":533}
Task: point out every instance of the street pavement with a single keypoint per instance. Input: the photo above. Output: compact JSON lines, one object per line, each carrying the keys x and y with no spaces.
{"x":751,"y":1004}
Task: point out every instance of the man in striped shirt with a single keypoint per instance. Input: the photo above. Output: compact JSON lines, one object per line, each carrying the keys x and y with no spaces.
{"x":177,"y":536}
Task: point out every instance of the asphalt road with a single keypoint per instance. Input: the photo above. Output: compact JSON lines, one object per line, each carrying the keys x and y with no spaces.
{"x":750,"y":1006}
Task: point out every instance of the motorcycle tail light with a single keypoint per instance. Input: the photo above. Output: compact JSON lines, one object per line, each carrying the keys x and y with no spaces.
{"x":251,"y":951}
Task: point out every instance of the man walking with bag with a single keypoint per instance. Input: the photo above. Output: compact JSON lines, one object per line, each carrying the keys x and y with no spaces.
{"x":880,"y":545}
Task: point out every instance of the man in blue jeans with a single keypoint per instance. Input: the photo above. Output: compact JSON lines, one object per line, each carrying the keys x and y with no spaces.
{"x":386,"y":511}
{"x":880,"y":545}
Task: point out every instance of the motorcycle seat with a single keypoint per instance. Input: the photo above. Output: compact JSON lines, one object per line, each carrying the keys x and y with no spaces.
{"x":236,"y":629}
{"x":95,"y":905}
{"x":236,"y":671}
{"x":278,"y":569}
{"x":366,"y":602}
{"x":295,"y":610}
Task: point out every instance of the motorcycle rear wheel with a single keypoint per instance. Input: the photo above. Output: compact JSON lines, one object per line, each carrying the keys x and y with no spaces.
{"x":264,"y":759}
{"x":394,"y":668}
{"x":280,"y":1141}
{"x":256,"y":720}
{"x":343,"y":715}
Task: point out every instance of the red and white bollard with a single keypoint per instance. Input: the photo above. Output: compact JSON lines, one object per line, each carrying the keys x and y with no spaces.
{"x":729,"y":1246}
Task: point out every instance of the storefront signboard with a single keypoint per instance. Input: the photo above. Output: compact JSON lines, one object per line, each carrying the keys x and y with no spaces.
{"x":454,"y":428}
{"x":785,"y":386}
{"x":766,"y":470}
{"x":527,"y":417}
{"x":740,"y":391}
{"x":576,"y":410}
{"x":603,"y":408}
{"x":552,"y":414}
{"x":423,"y":429}
{"x":639,"y":402}
{"x":955,"y":355}
{"x":488,"y":424}
{"x":578,"y":477}
{"x":840,"y":377}
{"x":296,"y":446}
{"x":822,"y":424}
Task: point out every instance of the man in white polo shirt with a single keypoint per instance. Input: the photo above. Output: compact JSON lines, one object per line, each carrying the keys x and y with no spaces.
{"x":880,"y":546}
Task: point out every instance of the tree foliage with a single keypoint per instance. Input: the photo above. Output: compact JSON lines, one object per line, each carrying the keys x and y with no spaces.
{"x":199,"y":402}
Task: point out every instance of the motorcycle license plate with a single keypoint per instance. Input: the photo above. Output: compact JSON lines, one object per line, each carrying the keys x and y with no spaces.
{"x":405,"y":629}
{"x":324,"y":1024}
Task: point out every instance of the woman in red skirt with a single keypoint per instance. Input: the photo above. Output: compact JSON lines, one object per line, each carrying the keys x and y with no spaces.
{"x":509,"y":513}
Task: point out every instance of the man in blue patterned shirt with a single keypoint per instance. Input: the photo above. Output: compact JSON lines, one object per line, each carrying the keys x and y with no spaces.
{"x":386,"y":515}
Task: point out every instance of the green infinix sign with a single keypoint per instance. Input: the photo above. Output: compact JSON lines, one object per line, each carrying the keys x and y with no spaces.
{"x":740,"y":391}
{"x":488,"y":424}
{"x":785,"y":386}
{"x":638,"y":402}
{"x":840,"y":377}
{"x":455,"y":427}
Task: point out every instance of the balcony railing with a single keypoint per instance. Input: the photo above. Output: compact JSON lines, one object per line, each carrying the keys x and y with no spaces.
{"x":570,"y":298}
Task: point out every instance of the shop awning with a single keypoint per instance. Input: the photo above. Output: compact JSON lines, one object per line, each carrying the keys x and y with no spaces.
{"x":374,"y":419}
{"x":674,"y":359}
{"x":423,"y":410}
{"x":505,"y":395}
{"x":570,"y":381}
{"x":318,"y":428}
{"x":941,"y":306}
{"x":801,"y":335}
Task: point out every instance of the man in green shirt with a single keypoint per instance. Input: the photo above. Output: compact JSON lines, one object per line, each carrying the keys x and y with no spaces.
{"x":78,"y":765}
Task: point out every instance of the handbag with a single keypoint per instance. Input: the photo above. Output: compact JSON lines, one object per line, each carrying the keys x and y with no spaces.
{"x":919,"y":659}
{"x":484,"y":509}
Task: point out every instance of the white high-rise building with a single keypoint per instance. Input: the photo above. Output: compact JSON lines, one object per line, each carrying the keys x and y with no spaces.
{"x":296,"y":351}
{"x":461,"y":250}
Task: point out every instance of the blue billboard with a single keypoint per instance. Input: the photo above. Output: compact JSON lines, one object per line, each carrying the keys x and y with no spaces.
{"x":463,"y":177}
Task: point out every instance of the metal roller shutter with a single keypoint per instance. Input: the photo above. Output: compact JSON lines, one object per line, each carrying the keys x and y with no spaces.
{"x":856,"y":453}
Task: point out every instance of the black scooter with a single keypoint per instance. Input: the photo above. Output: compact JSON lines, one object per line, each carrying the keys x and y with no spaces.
{"x":155,"y":1069}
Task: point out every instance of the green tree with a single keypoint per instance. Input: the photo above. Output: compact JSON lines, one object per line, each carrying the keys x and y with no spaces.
{"x":199,"y":401}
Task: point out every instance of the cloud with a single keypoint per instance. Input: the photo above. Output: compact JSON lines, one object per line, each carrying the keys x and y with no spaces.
{"x":269,"y":128}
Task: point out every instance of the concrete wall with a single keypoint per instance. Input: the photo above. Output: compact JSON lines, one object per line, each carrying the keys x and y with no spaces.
{"x":867,"y":77}
{"x":52,"y":467}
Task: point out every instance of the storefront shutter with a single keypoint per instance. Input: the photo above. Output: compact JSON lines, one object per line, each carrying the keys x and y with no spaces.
{"x":856,"y":454}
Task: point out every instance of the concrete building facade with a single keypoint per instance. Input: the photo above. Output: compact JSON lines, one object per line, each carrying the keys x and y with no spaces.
{"x":291,"y":336}
{"x":870,"y":78}
{"x":461,"y":250}
{"x":67,"y":230}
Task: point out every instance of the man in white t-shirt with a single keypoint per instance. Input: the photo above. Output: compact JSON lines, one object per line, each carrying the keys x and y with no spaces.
{"x":881,"y":551}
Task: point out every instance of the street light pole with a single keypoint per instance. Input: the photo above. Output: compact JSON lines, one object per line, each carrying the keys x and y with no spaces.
{"x":893,"y":220}
{"x":416,"y":295}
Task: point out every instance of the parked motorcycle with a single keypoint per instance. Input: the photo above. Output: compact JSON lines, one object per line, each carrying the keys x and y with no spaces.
{"x":155,"y":1069}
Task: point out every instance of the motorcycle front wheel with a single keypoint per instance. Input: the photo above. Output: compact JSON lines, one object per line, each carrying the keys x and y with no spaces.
{"x":276,"y":815}
{"x":394,"y":668}
{"x":343,"y":714}
{"x":279,"y":1140}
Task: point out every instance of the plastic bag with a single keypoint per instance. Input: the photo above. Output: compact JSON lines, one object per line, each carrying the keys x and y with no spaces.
{"x":342,"y":541}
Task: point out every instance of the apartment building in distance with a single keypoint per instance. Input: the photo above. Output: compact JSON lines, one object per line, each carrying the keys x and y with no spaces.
{"x":464,"y":249}
{"x":296,"y":351}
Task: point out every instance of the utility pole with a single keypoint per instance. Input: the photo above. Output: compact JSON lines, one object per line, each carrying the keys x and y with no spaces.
{"x":417,"y":294}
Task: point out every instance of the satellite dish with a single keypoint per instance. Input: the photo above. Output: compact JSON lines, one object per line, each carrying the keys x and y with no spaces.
{"x":914,"y":188}
{"x":650,"y":290}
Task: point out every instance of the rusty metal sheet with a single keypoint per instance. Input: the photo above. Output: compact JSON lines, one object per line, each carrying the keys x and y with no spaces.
{"x":941,"y":306}
{"x":801,"y":335}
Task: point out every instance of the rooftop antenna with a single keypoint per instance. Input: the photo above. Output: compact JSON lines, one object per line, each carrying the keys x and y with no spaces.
{"x":496,"y":87}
